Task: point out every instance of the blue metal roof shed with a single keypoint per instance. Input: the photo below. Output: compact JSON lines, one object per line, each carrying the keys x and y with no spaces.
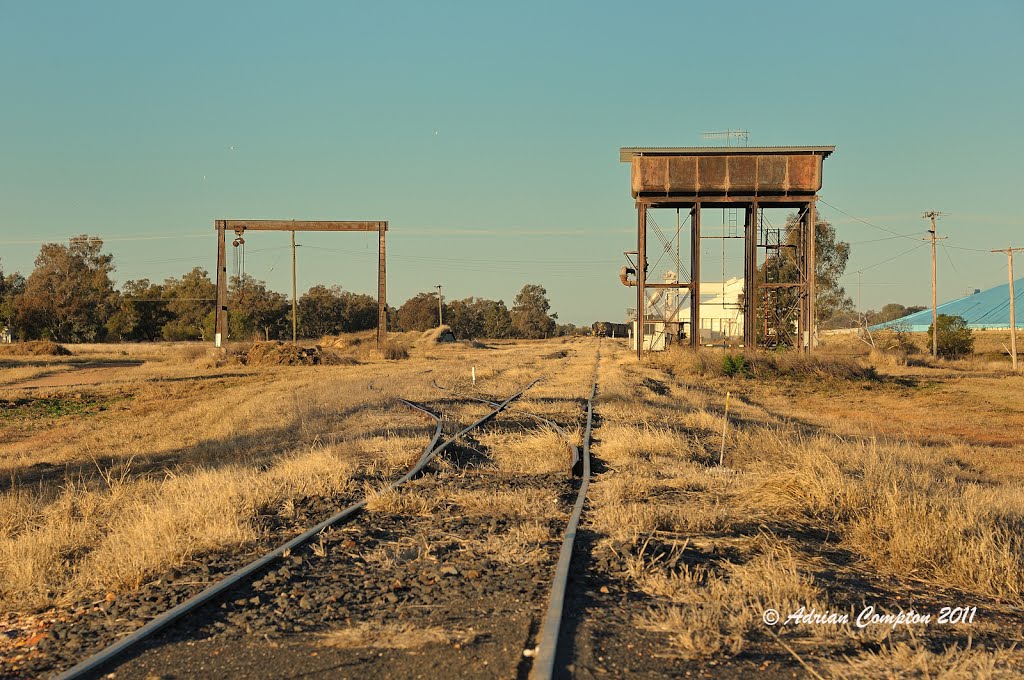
{"x":987,"y":309}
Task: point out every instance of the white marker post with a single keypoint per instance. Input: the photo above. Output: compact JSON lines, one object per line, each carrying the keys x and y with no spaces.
{"x":474,"y":375}
{"x":725,"y":424}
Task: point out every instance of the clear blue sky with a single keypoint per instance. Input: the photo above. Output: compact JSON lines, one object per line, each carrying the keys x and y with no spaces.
{"x":488,"y":134}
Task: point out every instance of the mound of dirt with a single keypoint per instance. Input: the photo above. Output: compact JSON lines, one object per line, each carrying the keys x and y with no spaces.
{"x":285,"y":354}
{"x":35,"y":348}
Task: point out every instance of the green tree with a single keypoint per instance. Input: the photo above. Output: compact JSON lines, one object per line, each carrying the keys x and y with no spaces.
{"x":418,"y":313}
{"x":475,"y":317}
{"x":191,"y":302}
{"x":464,"y":319}
{"x":530,"y":318}
{"x":781,"y":266}
{"x":955,"y":338}
{"x":142,"y":312}
{"x":11,"y":286}
{"x":256,"y":312}
{"x":830,"y":258}
{"x":360,"y":311}
{"x":69,"y":295}
{"x":497,"y":319}
{"x":891,"y":312}
{"x":321,"y":312}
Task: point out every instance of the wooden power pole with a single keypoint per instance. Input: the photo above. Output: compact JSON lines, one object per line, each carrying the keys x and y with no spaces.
{"x":932,"y":214}
{"x":440,"y":312}
{"x":1013,"y":319}
{"x":295,"y":318}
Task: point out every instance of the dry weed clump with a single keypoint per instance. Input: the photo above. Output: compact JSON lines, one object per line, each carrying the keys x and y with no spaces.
{"x":395,"y":636}
{"x":521,"y":503}
{"x":401,"y":501}
{"x":395,"y":352}
{"x":630,"y":504}
{"x":887,"y":357}
{"x":542,"y":451}
{"x":621,"y":444}
{"x":89,"y":540}
{"x":523,"y":543}
{"x":34,"y":348}
{"x":714,"y":610}
{"x":898,"y":660}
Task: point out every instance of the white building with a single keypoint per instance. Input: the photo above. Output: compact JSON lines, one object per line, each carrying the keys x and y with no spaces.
{"x":721,"y":314}
{"x":667,"y":318}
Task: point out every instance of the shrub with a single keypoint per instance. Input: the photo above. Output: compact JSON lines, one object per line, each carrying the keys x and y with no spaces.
{"x":395,"y":352}
{"x":733,"y":364}
{"x":954,"y":337}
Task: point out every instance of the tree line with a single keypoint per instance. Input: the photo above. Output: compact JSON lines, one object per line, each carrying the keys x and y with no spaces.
{"x":70,"y":296}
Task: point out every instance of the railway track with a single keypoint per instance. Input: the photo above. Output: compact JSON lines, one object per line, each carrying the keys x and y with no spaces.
{"x":244,"y":577}
{"x":108,"y":656}
{"x":547,"y":650}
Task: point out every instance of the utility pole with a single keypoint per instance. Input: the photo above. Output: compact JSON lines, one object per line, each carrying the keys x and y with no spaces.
{"x":860,"y":281}
{"x":440,"y":312}
{"x":1013,"y":320}
{"x":295,"y":318}
{"x":932,"y":214}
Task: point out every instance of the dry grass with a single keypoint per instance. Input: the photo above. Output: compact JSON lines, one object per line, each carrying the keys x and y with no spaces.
{"x":395,"y":636}
{"x":536,"y":452}
{"x":766,"y":365}
{"x":89,"y":540}
{"x":523,"y":543}
{"x":914,"y":660}
{"x":401,"y":501}
{"x":522,"y":503}
{"x":714,"y":611}
{"x":917,"y":479}
{"x":903,"y":510}
{"x":187,"y":456}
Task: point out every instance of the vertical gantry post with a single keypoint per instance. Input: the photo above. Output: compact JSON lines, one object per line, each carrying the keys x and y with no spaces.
{"x":641,"y":276}
{"x":812,"y":232}
{"x":221,"y":312}
{"x":750,"y":277}
{"x":695,"y":276}
{"x":382,"y":309}
{"x":801,"y":261}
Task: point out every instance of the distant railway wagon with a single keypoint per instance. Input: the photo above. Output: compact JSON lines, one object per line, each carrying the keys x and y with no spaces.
{"x":608,"y":329}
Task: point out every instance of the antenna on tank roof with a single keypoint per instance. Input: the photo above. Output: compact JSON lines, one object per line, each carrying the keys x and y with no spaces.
{"x":729,"y":135}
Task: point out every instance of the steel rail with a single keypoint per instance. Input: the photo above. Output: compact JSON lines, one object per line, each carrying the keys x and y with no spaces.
{"x":577,"y":459}
{"x":111,"y":652}
{"x":547,"y":646}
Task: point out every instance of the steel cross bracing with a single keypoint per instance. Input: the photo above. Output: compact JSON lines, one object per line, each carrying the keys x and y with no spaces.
{"x":747,"y":179}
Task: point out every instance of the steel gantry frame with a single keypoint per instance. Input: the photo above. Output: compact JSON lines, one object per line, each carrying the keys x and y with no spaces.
{"x":743,"y":178}
{"x":241,"y":226}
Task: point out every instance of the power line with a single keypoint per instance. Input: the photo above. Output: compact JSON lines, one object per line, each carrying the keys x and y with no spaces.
{"x":854,"y":217}
{"x":890,"y":259}
{"x":944,"y":250}
{"x":113,"y":239}
{"x":896,"y":234}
